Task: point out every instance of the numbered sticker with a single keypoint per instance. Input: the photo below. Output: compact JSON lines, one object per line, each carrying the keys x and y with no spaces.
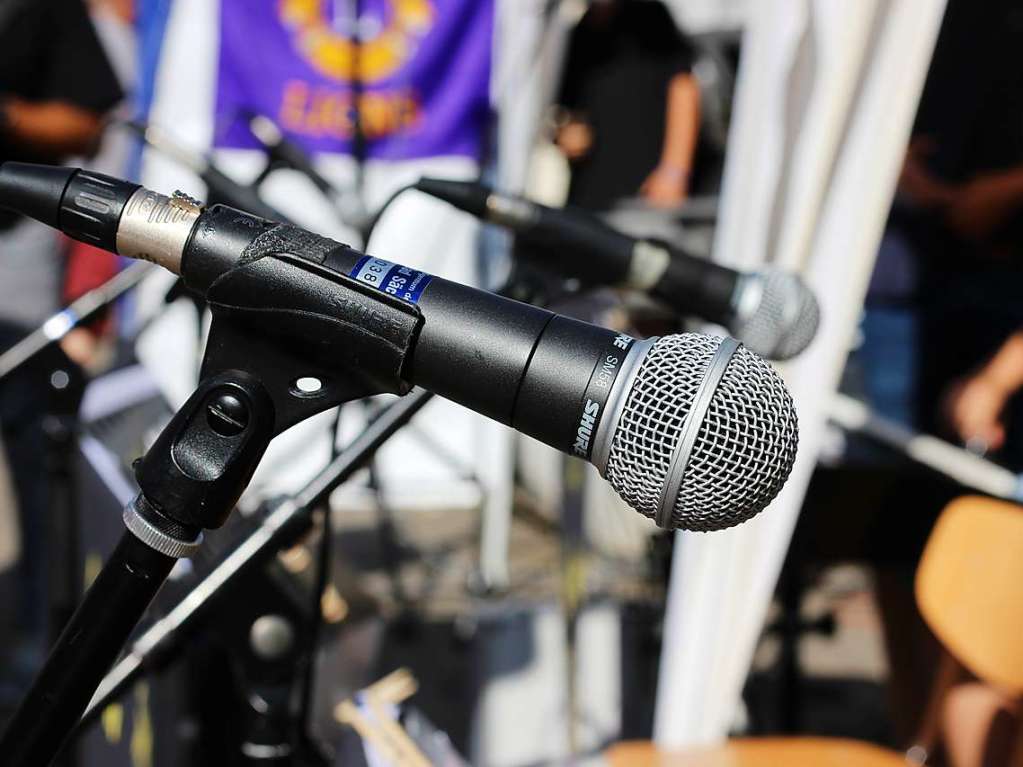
{"x":394,"y":279}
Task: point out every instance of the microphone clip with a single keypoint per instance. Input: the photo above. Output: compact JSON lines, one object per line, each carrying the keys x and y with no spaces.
{"x":312,"y":335}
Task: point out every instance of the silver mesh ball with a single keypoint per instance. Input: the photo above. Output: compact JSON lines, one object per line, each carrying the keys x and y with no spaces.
{"x":744,"y":449}
{"x":785,"y":319}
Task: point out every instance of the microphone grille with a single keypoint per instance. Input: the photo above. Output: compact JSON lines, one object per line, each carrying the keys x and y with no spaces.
{"x":783,"y":321}
{"x":744,"y":448}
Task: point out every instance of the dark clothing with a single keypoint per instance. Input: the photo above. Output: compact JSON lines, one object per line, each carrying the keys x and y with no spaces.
{"x":51,"y":53}
{"x":616,"y":78}
{"x":23,"y":408}
{"x":972,"y":104}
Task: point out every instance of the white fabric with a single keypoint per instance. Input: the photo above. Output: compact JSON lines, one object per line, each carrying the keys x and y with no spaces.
{"x":826,"y":96}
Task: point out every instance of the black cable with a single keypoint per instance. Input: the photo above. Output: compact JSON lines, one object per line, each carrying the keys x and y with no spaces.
{"x":360,"y":145}
{"x":371,"y":224}
{"x":391,"y":550}
{"x":324,"y":559}
{"x":322,"y":578}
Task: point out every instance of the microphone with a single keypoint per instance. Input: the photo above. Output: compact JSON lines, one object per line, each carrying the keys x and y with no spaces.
{"x":693,"y":431}
{"x":772,"y":312}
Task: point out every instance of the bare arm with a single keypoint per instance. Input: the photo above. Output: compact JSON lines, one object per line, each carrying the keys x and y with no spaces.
{"x":51,"y":127}
{"x":682,"y":126}
{"x":975,"y":405}
{"x":668,"y":184}
{"x":981,"y":727}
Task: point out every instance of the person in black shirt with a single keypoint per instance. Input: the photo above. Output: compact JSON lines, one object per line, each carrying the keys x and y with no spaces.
{"x":631,"y":106}
{"x":55,"y":86}
{"x":55,"y":83}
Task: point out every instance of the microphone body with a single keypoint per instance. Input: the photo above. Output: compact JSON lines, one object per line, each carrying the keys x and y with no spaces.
{"x":660,"y":418}
{"x":773,"y":313}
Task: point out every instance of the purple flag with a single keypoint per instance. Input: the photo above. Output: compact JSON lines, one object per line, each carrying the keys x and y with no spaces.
{"x":424,"y":67}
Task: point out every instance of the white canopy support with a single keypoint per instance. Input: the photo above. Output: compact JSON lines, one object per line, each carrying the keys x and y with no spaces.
{"x":826,"y":96}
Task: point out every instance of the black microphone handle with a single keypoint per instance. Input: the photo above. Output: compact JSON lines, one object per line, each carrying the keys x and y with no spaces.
{"x":580,"y":245}
{"x":693,"y":286}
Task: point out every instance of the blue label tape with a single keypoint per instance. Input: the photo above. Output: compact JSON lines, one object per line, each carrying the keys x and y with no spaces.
{"x":399,"y":281}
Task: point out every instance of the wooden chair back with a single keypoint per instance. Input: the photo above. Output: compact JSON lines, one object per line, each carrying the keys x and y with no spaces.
{"x":969,"y":587}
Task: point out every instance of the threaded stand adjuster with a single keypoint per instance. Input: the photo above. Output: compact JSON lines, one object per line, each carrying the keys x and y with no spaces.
{"x":142,"y":528}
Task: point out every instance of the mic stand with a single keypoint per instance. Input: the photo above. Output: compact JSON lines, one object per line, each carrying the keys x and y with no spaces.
{"x":287,"y":522}
{"x":281,"y":153}
{"x":192,"y":476}
{"x":65,"y":386}
{"x":264,"y":639}
{"x":220,"y":432}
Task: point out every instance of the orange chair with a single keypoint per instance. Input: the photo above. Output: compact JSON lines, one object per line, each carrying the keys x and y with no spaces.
{"x":969,"y":586}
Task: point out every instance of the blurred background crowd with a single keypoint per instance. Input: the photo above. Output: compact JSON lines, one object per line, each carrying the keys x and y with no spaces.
{"x":538,"y":616}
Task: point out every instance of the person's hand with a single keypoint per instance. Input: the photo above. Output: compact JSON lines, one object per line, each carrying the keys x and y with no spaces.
{"x":917,"y":183}
{"x":575,"y":139}
{"x":666,"y":186}
{"x":973,"y":408}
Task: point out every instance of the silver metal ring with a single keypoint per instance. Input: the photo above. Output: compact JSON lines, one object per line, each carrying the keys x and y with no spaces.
{"x":155,"y":228}
{"x":691,"y":428}
{"x":157,"y":539}
{"x":616,"y":399}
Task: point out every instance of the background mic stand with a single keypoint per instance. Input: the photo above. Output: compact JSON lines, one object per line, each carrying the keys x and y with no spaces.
{"x":282,"y":153}
{"x":80,"y":310}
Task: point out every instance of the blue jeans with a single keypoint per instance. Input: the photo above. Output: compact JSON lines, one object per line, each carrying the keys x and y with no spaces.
{"x":889,"y":358}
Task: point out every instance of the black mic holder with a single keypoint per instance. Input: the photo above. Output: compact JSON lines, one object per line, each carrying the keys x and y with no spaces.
{"x":251,"y":389}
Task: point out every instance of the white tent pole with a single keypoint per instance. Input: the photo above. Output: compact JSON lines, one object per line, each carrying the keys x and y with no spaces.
{"x":732,"y":575}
